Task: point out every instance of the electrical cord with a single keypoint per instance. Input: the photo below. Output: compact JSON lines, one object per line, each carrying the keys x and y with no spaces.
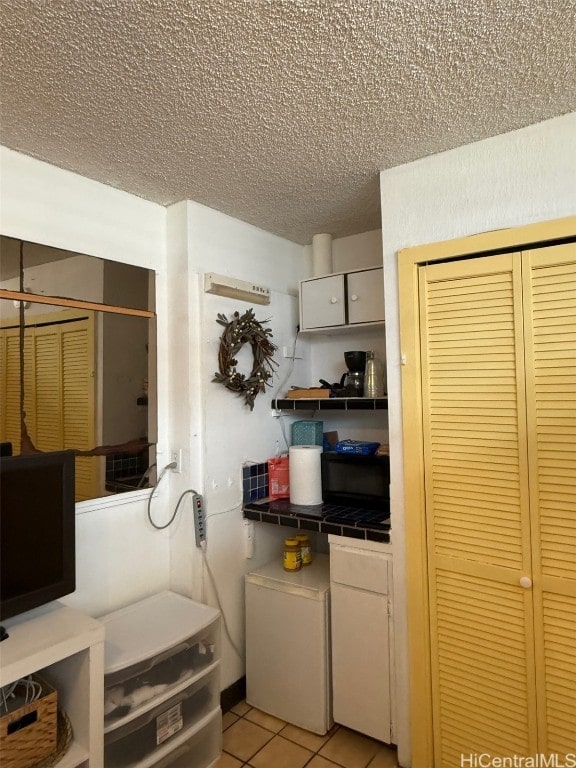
{"x":279,"y":413}
{"x":7,"y":694}
{"x":204,"y":550}
{"x":172,"y":465}
{"x":218,"y":601}
{"x":32,"y":688}
{"x":289,"y":372}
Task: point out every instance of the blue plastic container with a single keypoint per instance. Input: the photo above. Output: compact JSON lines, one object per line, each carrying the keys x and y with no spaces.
{"x":358,"y":447}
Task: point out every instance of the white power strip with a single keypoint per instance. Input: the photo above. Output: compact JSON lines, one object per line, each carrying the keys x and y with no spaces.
{"x":248,"y":539}
{"x":199,"y":519}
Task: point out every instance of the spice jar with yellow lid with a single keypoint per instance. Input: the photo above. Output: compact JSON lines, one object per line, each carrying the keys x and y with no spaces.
{"x":305,"y":548}
{"x":292,"y":558}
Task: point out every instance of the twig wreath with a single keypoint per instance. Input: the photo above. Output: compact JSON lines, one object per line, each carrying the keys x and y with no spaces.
{"x":245,"y":329}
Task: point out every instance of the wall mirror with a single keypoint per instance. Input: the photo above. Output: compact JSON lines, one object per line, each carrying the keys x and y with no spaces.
{"x":78,"y":364}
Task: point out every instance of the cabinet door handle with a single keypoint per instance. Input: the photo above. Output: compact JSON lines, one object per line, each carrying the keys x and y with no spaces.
{"x":526,"y":582}
{"x":354,"y":297}
{"x":333,"y":300}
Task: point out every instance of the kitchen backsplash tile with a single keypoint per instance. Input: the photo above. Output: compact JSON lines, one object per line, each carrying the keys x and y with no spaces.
{"x":254,"y":481}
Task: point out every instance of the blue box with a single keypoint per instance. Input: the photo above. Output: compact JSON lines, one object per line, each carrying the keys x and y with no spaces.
{"x":307,"y":432}
{"x":358,"y":447}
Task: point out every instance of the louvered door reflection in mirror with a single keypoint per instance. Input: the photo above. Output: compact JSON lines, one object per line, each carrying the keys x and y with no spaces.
{"x":78,"y":373}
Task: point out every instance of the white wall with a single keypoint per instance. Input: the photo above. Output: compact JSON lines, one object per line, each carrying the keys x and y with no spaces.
{"x":64,"y":210}
{"x":215,"y":431}
{"x":218,"y":432}
{"x":216,"y":428}
{"x":518,"y":178}
{"x":120,"y":557}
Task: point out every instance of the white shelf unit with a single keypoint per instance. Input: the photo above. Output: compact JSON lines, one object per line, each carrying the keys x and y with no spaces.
{"x":162,"y":684}
{"x":66,"y":648}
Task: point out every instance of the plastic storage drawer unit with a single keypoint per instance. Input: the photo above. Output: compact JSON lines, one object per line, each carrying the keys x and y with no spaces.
{"x":201,"y":748}
{"x":162,"y":683}
{"x":140,"y":737}
{"x":146,"y":655}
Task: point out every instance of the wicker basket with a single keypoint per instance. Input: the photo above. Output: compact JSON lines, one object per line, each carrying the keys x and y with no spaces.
{"x":64,"y":740}
{"x":29,"y":733}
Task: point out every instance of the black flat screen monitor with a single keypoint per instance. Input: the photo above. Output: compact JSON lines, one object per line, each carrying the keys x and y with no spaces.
{"x":37,"y":530}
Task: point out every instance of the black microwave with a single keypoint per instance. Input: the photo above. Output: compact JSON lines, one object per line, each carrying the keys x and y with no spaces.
{"x":356,"y":481}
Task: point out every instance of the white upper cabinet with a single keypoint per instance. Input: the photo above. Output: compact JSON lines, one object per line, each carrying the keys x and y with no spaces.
{"x":322,"y":302}
{"x":365,"y":296}
{"x":342,"y":300}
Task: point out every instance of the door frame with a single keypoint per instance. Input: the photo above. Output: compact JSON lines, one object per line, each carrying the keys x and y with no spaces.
{"x":409,"y":261}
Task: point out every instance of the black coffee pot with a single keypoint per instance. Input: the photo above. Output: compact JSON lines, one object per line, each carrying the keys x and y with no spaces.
{"x":352,"y":381}
{"x":352,"y":384}
{"x":355,"y":361}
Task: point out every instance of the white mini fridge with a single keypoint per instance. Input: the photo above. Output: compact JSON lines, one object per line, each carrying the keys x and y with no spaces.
{"x":288,"y":666}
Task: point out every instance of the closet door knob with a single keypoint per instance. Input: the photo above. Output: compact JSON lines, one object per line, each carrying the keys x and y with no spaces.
{"x":354,"y":297}
{"x":333,"y":300}
{"x":526,"y":582}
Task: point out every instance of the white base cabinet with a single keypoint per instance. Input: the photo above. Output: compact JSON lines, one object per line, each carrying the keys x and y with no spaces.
{"x":361,"y":623}
{"x":66,"y":648}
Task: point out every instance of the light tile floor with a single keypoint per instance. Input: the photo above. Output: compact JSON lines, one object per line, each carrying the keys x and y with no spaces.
{"x":254,"y":739}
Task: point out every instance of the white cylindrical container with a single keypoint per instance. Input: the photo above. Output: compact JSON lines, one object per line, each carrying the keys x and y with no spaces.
{"x":321,"y":255}
{"x":305,"y":475}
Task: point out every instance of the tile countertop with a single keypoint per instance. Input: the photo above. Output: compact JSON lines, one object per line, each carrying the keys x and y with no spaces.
{"x":355,"y":522}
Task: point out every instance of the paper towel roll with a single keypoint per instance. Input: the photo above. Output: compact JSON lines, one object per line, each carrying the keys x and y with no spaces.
{"x":305,"y":475}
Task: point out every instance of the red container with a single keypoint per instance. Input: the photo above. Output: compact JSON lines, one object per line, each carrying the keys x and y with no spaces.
{"x":278,"y":478}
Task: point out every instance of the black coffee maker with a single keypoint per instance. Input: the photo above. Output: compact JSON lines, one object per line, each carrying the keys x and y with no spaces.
{"x":353,"y":381}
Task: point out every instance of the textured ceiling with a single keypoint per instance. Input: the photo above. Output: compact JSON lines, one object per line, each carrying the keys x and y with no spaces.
{"x":277,"y":112}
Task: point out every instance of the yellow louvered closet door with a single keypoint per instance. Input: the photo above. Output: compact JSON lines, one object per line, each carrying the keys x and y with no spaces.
{"x":64,"y":388}
{"x":59,"y":387}
{"x":477,"y":510}
{"x":46,"y":363}
{"x":10,"y":387}
{"x":549,"y":276}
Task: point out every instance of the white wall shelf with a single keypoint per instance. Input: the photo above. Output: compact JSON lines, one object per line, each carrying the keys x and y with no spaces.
{"x":331,"y":404}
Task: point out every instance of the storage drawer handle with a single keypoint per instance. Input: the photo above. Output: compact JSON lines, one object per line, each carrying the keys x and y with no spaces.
{"x":155,"y":660}
{"x":23,"y":722}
